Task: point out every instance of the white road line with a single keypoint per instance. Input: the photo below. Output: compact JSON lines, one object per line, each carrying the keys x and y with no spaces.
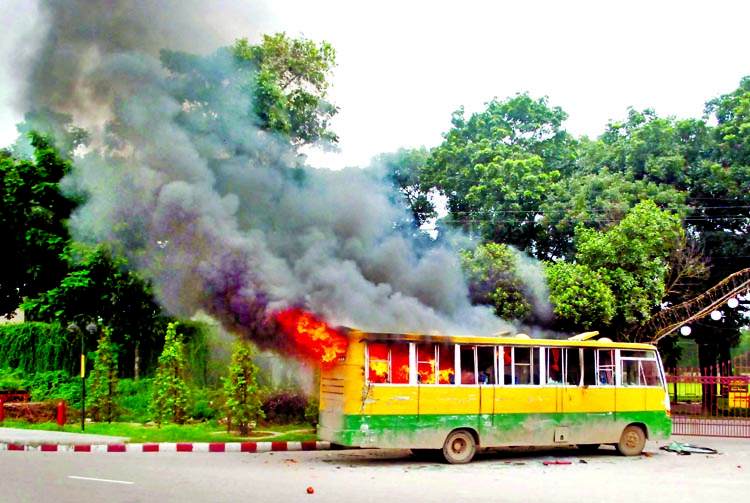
{"x":101,"y":480}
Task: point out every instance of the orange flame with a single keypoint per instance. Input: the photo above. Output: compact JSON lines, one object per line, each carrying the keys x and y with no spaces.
{"x":316,"y":338}
{"x":378,"y":371}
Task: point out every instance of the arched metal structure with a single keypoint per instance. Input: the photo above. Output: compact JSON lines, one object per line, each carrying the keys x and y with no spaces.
{"x":669,"y":320}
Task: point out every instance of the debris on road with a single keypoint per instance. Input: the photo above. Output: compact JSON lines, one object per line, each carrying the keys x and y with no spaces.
{"x":687,"y":449}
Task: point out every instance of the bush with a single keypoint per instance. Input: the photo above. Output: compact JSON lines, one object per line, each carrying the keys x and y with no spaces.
{"x":135,"y":398}
{"x":54,"y":385}
{"x":312,"y":413}
{"x":206,"y":404}
{"x":284,"y":407}
{"x":12,"y":380}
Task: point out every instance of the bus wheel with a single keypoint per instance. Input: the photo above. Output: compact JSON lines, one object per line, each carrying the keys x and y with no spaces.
{"x":632,"y":441}
{"x":459,"y":447}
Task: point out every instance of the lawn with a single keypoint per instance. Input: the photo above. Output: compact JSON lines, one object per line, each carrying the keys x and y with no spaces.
{"x":199,"y":432}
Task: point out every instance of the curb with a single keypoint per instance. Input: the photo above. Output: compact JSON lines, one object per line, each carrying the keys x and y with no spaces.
{"x":173,"y":447}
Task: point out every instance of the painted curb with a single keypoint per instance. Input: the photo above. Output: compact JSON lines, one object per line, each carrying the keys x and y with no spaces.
{"x":173,"y":447}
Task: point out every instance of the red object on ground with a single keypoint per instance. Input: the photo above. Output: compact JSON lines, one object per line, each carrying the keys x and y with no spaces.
{"x":61,"y":413}
{"x":310,"y":490}
{"x":556,"y":462}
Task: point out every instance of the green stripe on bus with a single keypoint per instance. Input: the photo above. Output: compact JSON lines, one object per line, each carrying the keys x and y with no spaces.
{"x":500,"y":429}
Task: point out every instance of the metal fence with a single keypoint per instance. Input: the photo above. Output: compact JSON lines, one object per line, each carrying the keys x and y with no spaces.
{"x":713,"y":401}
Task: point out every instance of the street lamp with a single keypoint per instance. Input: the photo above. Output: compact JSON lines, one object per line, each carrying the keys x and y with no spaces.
{"x":91,"y":328}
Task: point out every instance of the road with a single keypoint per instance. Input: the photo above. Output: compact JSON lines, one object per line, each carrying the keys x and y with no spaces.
{"x":386,"y":476}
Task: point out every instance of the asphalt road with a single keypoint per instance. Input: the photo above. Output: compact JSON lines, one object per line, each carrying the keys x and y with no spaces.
{"x":386,"y":476}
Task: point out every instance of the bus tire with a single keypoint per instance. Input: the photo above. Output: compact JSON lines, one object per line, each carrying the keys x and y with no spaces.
{"x":632,"y":441}
{"x":459,"y":447}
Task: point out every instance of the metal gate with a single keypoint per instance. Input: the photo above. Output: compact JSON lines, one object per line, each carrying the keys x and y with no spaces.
{"x":710,"y":405}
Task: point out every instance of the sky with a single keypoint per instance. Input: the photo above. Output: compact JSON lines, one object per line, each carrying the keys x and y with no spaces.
{"x":404,"y":66}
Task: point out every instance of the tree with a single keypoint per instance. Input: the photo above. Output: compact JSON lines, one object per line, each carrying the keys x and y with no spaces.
{"x":278,"y":86}
{"x":243,"y":402}
{"x":403,"y":168}
{"x":496,"y":168}
{"x":33,"y":217}
{"x":581,"y":297}
{"x":103,"y":404}
{"x":495,"y":278}
{"x":633,"y":259}
{"x":171,"y":393}
{"x":99,"y":286}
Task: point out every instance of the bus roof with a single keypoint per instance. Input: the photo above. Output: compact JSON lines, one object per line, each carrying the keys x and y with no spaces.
{"x":504,"y":340}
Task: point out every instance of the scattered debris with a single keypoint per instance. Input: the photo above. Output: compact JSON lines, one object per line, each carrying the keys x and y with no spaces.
{"x":557,"y":462}
{"x":687,"y":449}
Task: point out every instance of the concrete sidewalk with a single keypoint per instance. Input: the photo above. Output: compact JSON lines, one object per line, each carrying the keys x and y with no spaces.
{"x":12,"y":439}
{"x":39,"y":437}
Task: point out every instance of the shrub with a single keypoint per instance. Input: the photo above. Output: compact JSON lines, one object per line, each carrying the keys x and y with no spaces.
{"x":243,"y":404}
{"x":285,"y":407}
{"x":171,"y":393}
{"x":54,"y":385}
{"x":206,"y":404}
{"x":135,"y":399}
{"x":312,"y":413}
{"x":104,"y":398}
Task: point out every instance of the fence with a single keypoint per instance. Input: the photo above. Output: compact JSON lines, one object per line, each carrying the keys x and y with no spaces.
{"x":713,"y":401}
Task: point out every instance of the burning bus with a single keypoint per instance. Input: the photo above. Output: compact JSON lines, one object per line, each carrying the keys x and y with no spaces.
{"x":452,"y":395}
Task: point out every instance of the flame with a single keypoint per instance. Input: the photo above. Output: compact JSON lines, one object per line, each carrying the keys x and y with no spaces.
{"x":445,"y":376}
{"x":316,"y":338}
{"x":378,"y":371}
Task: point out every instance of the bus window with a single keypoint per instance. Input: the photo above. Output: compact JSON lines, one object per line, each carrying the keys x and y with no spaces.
{"x":639,"y":368}
{"x":525,"y":369}
{"x":572,"y":366}
{"x":447,"y":361}
{"x":606,"y":367}
{"x":400,"y":363}
{"x":378,"y":362}
{"x":426,"y":363}
{"x":486,"y":364}
{"x":468,"y":374}
{"x":589,"y":367}
{"x":388,"y":362}
{"x":554,"y":364}
{"x":508,"y":365}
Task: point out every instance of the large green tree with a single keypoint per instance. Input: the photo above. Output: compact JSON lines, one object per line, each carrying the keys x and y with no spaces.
{"x":279,"y":86}
{"x":100,"y":288}
{"x":33,"y":216}
{"x":496,"y":167}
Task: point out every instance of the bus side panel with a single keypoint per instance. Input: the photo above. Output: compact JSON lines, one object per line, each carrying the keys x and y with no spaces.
{"x":589,"y":414}
{"x":524,"y":415}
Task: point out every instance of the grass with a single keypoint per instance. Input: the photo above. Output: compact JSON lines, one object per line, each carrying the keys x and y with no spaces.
{"x":199,"y":432}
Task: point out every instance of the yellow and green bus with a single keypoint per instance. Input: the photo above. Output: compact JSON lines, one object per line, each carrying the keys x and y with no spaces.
{"x":455,"y":394}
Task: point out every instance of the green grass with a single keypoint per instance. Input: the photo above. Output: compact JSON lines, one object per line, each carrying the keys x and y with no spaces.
{"x":201,"y":432}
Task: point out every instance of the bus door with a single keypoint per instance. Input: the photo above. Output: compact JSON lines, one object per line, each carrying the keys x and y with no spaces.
{"x":597,"y":397}
{"x":487,"y":378}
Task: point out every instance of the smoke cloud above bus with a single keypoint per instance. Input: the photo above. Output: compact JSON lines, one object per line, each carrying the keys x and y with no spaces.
{"x":240,"y":238}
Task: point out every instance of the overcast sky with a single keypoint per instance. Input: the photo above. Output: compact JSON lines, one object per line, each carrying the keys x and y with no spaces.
{"x":405,"y":66}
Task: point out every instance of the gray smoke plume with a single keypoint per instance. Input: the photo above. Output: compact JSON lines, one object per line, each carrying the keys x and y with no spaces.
{"x":214,"y":214}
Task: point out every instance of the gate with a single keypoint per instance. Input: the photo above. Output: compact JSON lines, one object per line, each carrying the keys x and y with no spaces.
{"x":710,"y":402}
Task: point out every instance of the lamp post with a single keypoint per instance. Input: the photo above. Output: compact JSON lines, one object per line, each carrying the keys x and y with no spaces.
{"x":91,"y":328}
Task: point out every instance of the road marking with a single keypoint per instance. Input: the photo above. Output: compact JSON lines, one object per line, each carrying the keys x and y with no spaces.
{"x":101,"y":480}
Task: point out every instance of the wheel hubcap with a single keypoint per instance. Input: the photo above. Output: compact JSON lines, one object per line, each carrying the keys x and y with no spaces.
{"x":459,"y":446}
